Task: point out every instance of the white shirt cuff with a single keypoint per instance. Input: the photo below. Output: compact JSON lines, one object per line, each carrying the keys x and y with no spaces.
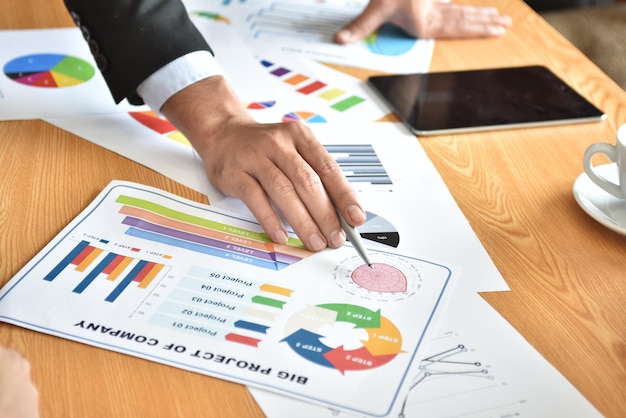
{"x":175,"y":76}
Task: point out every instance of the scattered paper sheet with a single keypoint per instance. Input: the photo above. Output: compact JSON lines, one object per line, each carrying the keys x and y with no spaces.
{"x":473,"y":364}
{"x":305,"y":28}
{"x":50,"y":72}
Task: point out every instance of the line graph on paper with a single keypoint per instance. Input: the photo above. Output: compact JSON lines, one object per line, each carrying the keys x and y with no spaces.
{"x":455,"y":373}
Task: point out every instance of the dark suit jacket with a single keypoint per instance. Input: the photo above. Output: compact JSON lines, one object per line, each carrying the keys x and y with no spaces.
{"x":131,"y":39}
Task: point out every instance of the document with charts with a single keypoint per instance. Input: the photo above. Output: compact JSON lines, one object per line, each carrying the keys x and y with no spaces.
{"x":305,"y":28}
{"x":146,"y":273}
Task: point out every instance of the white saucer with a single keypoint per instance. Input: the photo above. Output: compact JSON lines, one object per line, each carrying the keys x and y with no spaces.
{"x":600,"y":205}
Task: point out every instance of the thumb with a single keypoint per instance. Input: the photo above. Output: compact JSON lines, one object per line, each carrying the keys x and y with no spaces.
{"x":364,"y":24}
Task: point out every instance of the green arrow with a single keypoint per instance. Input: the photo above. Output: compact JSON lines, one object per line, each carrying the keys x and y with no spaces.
{"x":358,"y":315}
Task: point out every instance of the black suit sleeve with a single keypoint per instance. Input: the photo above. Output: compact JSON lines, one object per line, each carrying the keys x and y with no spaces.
{"x":131,"y":39}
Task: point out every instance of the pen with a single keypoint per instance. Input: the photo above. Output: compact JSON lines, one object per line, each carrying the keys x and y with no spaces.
{"x":355,"y":239}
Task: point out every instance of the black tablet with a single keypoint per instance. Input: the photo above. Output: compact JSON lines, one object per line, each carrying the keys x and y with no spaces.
{"x":479,"y":100}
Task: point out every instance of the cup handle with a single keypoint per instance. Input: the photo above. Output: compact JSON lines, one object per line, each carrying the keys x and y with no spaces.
{"x":611,"y":152}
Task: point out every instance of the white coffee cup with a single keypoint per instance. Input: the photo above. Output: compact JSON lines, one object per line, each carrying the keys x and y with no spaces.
{"x":617,"y":154}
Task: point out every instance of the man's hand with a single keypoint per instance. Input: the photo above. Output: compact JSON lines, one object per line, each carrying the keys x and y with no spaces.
{"x":18,"y":396}
{"x":273,"y":168}
{"x":426,"y":19}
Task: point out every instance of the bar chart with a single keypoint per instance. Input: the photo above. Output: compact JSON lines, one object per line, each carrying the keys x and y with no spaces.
{"x":337,"y":98}
{"x":160,"y":224}
{"x":360,"y":163}
{"x":94,"y":263}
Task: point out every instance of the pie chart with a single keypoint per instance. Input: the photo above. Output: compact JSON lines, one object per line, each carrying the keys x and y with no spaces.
{"x":390,"y":40}
{"x":308,"y":117}
{"x":49,"y":70}
{"x":151,"y":120}
{"x":380,"y":230}
{"x":260,"y":105}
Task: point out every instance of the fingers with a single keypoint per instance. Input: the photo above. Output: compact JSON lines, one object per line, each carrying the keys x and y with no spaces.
{"x":13,"y":362}
{"x":426,"y":19}
{"x":18,"y":395}
{"x":448,"y":20}
{"x":273,"y":191}
{"x":273,"y":168}
{"x":334,"y":181}
{"x":366,"y":23}
{"x":255,"y":198}
{"x":283,"y":169}
{"x":323,"y":188}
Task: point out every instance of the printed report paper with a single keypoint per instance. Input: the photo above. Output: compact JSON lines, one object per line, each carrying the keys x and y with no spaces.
{"x":146,"y":273}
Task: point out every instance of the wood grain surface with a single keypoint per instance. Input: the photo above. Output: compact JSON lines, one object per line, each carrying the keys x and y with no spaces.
{"x":567,"y":273}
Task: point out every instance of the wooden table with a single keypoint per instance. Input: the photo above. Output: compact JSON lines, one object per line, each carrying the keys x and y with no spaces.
{"x":567,"y":273}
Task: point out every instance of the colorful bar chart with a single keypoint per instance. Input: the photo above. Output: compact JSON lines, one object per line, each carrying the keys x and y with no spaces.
{"x":337,"y":98}
{"x":157,"y":223}
{"x":95,"y":263}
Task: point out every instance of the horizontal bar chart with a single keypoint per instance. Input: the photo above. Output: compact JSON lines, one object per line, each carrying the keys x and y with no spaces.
{"x":157,"y":223}
{"x":360,"y":164}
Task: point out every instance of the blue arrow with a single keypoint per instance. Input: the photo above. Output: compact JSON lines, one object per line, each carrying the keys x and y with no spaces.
{"x":307,"y":344}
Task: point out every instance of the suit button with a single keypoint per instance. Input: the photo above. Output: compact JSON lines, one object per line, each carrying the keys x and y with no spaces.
{"x":94,"y":47}
{"x":75,"y":18}
{"x":101,"y":62}
{"x":86,"y":33}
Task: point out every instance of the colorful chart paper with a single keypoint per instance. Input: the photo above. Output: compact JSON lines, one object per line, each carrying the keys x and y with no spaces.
{"x":306,"y":28}
{"x":149,"y":274}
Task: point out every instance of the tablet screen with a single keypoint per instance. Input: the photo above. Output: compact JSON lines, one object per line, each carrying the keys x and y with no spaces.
{"x":461,"y":101}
